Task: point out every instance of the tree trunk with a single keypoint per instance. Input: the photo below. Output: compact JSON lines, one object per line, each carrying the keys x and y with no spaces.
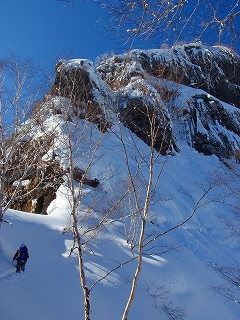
{"x":137,"y":273}
{"x":2,"y":164}
{"x":86,"y":292}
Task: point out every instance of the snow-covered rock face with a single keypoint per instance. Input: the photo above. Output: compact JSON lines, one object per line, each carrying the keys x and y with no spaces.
{"x":76,"y":80}
{"x":214,"y":129}
{"x":189,"y":92}
{"x":42,"y":176}
{"x":189,"y":84}
{"x":215,"y":70}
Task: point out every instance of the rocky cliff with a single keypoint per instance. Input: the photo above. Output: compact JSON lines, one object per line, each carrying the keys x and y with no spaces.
{"x":189,"y":92}
{"x":167,"y":79}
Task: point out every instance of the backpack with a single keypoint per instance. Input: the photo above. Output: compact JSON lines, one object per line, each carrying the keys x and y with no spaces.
{"x":23,"y":253}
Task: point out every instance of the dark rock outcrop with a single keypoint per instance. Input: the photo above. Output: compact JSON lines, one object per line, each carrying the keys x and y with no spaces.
{"x":150,"y":126}
{"x":34,"y":181}
{"x":75,"y":83}
{"x":79,"y":175}
{"x":216,"y":123}
{"x":39,"y":180}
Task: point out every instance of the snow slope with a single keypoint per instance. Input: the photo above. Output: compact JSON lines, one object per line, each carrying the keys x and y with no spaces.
{"x":50,"y":288}
{"x":173,"y":285}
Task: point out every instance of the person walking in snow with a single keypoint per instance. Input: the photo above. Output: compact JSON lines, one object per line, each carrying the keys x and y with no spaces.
{"x":21,"y":256}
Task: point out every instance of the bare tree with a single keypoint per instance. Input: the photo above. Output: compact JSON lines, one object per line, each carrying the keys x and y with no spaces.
{"x":79,"y":146}
{"x":82,"y":124}
{"x":173,"y":21}
{"x":75,"y":201}
{"x":159,"y":295}
{"x":2,"y":153}
{"x":18,"y":77}
{"x":230,"y":288}
{"x":144,"y":177}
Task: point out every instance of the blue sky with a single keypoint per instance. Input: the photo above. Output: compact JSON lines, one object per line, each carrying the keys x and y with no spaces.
{"x":43,"y":29}
{"x":48,"y":29}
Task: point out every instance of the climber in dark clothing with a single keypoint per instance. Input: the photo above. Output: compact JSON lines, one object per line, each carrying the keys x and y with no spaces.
{"x":21,"y":256}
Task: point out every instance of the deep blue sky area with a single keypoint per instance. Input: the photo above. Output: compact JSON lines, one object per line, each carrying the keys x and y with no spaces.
{"x":44,"y":29}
